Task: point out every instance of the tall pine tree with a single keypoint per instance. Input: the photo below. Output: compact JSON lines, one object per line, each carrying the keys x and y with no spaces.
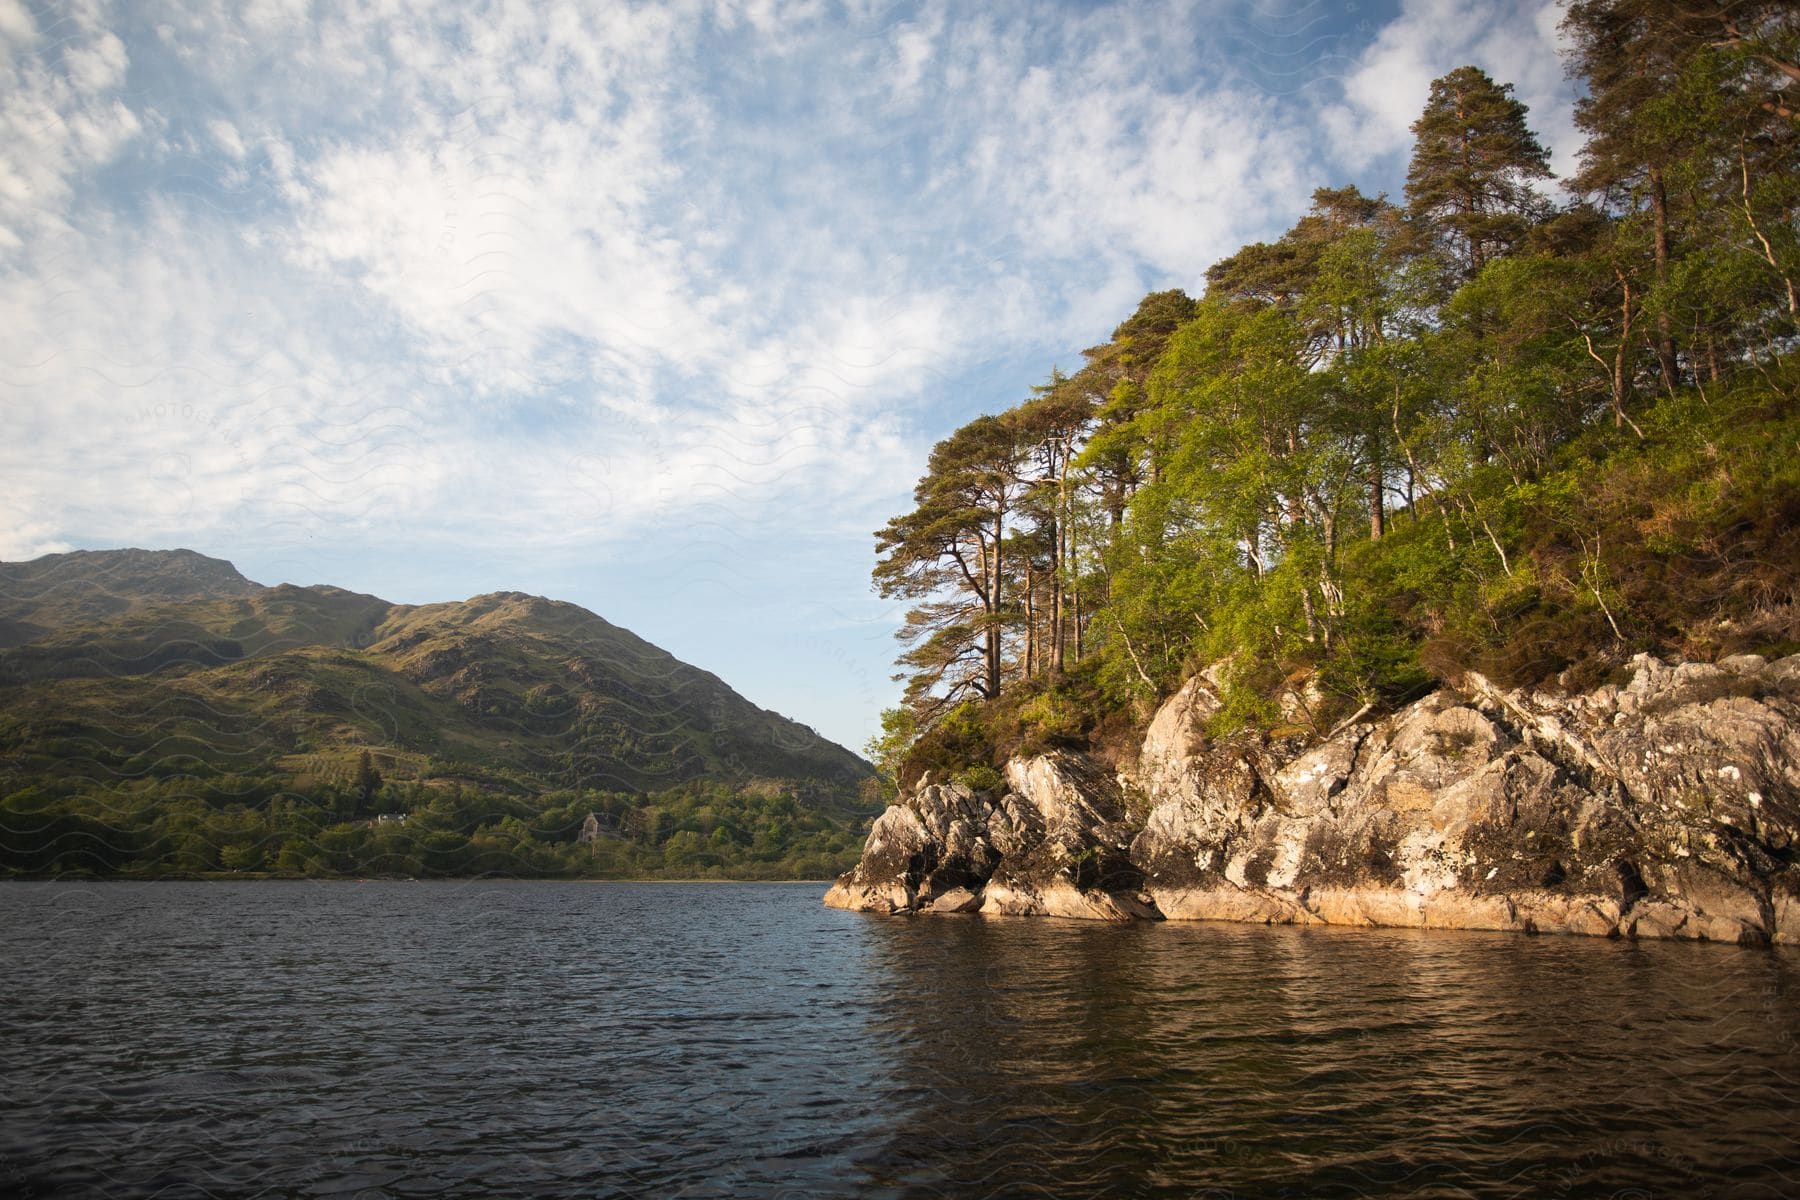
{"x":1469,"y":183}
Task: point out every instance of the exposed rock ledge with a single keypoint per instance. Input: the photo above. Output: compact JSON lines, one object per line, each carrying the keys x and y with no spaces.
{"x":1664,"y":808}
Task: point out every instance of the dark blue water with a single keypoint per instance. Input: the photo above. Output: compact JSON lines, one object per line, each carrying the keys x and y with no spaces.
{"x":304,"y":1039}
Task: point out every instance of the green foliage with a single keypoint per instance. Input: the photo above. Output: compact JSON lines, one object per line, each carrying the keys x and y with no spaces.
{"x":347,"y":736}
{"x":1051,"y":718}
{"x":959,"y":739}
{"x":887,"y":750}
{"x":1244,"y":704}
{"x":368,"y":781}
{"x":982,"y":778}
{"x":165,"y":828}
{"x":1393,"y":447}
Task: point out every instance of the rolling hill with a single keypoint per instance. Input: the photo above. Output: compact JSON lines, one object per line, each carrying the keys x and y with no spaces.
{"x":119,"y":669}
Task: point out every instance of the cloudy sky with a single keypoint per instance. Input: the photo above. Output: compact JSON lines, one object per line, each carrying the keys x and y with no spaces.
{"x":654,"y":308}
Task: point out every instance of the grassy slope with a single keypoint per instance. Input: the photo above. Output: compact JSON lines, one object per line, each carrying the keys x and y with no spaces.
{"x":507,"y":690}
{"x":1684,"y":543}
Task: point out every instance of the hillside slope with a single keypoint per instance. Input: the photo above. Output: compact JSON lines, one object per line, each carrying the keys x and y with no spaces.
{"x":167,"y":670}
{"x":87,"y":586}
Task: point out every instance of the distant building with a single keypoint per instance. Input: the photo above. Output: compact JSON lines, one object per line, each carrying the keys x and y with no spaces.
{"x":590,"y":830}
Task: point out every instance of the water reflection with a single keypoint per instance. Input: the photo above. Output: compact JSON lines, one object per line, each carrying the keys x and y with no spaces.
{"x":579,"y":1040}
{"x":1054,"y":1058}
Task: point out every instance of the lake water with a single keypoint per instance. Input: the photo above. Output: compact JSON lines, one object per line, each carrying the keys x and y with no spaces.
{"x":726,"y":1040}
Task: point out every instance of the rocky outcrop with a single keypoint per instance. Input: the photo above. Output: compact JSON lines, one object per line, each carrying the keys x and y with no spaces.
{"x":1055,"y":841}
{"x":1666,"y":806}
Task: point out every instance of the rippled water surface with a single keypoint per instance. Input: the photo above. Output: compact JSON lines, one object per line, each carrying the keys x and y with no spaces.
{"x":700,"y":1040}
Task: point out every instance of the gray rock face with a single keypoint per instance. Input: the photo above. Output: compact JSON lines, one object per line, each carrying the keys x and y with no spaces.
{"x":1667,"y":807}
{"x":944,"y":838}
{"x":1054,"y":841}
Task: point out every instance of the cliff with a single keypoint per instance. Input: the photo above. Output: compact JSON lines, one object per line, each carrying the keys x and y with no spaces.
{"x":1664,"y":806}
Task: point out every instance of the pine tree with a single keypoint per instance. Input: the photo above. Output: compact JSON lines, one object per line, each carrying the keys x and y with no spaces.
{"x":1051,"y":425}
{"x":1690,"y":117}
{"x":1469,"y":182}
{"x":1628,"y":60}
{"x":368,"y":780}
{"x":949,"y":553}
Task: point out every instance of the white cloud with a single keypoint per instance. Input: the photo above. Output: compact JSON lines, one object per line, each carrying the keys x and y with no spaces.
{"x":546,"y":205}
{"x":1514,"y":41}
{"x":16,"y":26}
{"x":96,"y":65}
{"x":225,"y":134}
{"x":561,"y":283}
{"x":56,"y":124}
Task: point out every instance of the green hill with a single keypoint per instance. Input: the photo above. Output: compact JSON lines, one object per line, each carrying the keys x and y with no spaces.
{"x":137,"y":684}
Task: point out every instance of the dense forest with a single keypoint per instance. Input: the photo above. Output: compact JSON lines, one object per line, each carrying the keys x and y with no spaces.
{"x":230,"y":824}
{"x":1477,"y":428}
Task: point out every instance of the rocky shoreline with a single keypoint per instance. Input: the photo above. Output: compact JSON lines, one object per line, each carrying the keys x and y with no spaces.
{"x":1665,"y":806}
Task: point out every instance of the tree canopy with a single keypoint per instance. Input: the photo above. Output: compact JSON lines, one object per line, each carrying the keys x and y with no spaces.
{"x":1396,"y":441}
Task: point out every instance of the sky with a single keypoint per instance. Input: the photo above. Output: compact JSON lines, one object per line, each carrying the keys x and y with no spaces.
{"x":653,"y":308}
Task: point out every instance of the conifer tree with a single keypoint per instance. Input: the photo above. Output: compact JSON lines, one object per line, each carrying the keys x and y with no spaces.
{"x":1628,"y":60}
{"x":1469,"y":182}
{"x":1691,"y":141}
{"x":949,"y":553}
{"x":368,"y":780}
{"x":1117,"y":457}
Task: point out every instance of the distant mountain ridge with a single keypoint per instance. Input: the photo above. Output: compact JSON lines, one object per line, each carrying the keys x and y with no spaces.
{"x":58,"y":590}
{"x":151,"y":656}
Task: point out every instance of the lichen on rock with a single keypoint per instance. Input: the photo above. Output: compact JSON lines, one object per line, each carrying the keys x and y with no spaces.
{"x":1664,"y":808}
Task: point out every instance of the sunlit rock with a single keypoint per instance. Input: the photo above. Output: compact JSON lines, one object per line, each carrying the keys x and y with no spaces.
{"x":1666,"y":806}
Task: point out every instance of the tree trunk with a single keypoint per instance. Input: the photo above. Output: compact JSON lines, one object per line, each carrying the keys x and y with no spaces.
{"x":1793,"y":301}
{"x":1618,"y":378}
{"x":1030,"y":622}
{"x":1412,"y":465}
{"x":1058,"y":617}
{"x":1621,"y":381}
{"x":993,"y":629}
{"x":1056,"y":603}
{"x":1075,"y":592}
{"x":1377,"y":483}
{"x":1665,"y":340}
